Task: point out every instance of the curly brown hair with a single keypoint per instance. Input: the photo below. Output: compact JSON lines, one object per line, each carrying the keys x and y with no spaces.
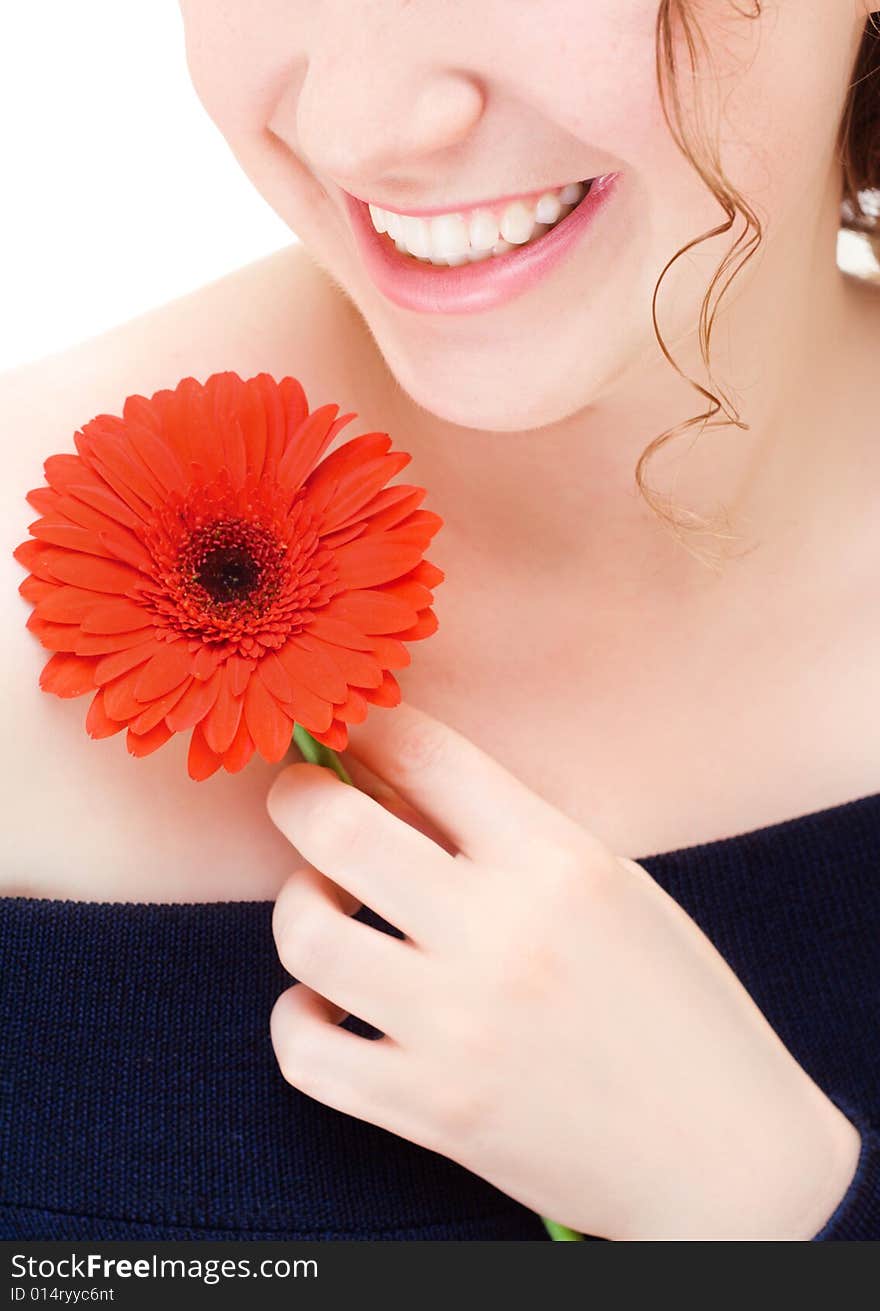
{"x":858,"y":147}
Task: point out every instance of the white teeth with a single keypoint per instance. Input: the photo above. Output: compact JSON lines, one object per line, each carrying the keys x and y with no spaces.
{"x":483,"y":229}
{"x":571,"y":194}
{"x":449,"y":235}
{"x":450,"y":240}
{"x":517,"y":223}
{"x":417,"y":236}
{"x":548,"y":208}
{"x":378,"y":216}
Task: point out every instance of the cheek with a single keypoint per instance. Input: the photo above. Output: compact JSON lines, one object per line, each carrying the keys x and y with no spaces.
{"x":784,"y":108}
{"x":236,"y":58}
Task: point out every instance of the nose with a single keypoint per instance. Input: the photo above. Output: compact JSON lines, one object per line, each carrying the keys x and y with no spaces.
{"x":364,"y":121}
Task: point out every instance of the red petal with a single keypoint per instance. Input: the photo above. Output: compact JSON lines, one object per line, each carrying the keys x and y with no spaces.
{"x":206,"y":661}
{"x":107,"y":643}
{"x":267,"y":723}
{"x":127,"y":548}
{"x":195,"y":703}
{"x":339,"y":631}
{"x":386,"y":695}
{"x":188,"y":424}
{"x":35,"y":589}
{"x":67,"y":605}
{"x":241,"y":750}
{"x":340,"y":536}
{"x":161,"y":460}
{"x":56,"y":637}
{"x":286,"y":407}
{"x":31,"y":554}
{"x":170,"y":665}
{"x":428,"y":574}
{"x":45,"y":499}
{"x":239,"y":672}
{"x":60,"y":469}
{"x":354,"y":709}
{"x":113,"y":451}
{"x":141,"y":744}
{"x":251,"y":414}
{"x":382,"y":520}
{"x":75,"y":511}
{"x":138,"y":410}
{"x":274,"y":675}
{"x":417,"y":529}
{"x":103,"y":498}
{"x":313,"y":712}
{"x":220,"y":723}
{"x":402,"y":499}
{"x":142,"y":510}
{"x":91,"y":572}
{"x":358,"y":668}
{"x":98,"y":722}
{"x":201,"y":761}
{"x":371,"y":611}
{"x":390,"y":652}
{"x":335,"y":737}
{"x":372,"y":560}
{"x":68,"y":675}
{"x":307,"y":444}
{"x":426,"y":625}
{"x":117,"y":616}
{"x":120,"y":701}
{"x":357,"y":451}
{"x":410,"y":593}
{"x":312,"y":671}
{"x":357,"y":483}
{"x":147,"y":720}
{"x":69,"y":535}
{"x":112,"y":666}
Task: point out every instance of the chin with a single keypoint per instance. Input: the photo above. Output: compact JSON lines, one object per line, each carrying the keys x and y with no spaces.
{"x":472,"y":390}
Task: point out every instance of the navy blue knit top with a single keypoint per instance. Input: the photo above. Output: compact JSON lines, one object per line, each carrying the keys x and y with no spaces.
{"x":141,"y":1098}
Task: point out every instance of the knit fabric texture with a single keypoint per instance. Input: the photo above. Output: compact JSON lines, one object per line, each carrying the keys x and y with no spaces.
{"x":141,"y":1098}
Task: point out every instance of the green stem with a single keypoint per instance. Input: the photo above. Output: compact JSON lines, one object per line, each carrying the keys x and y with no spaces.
{"x":317,"y":754}
{"x":561,"y":1233}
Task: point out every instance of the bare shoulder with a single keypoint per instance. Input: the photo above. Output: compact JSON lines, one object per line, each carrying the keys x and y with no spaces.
{"x":281,"y":314}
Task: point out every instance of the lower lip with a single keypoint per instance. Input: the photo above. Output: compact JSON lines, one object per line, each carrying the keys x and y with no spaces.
{"x":470,"y":288}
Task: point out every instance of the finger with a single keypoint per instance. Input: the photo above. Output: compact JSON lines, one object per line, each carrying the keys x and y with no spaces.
{"x":368,"y":973}
{"x":363,"y":1077}
{"x":487,"y":812}
{"x":388,"y":865}
{"x":375,"y":787}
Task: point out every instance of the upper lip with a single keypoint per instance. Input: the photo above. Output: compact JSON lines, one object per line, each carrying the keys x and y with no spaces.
{"x":428,"y":211}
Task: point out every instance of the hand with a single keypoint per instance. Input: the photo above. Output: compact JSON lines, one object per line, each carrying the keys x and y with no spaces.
{"x":552,"y":1020}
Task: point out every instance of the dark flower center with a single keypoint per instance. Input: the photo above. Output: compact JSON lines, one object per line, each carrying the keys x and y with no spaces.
{"x":243,"y":569}
{"x":228,"y":573}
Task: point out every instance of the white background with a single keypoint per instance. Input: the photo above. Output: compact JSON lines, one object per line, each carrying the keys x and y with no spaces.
{"x":118,"y":191}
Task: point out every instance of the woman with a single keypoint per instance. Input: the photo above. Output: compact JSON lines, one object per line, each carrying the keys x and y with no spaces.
{"x":672,"y":1045}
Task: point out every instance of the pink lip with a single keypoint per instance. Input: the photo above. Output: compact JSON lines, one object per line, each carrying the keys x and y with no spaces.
{"x":470,"y":288}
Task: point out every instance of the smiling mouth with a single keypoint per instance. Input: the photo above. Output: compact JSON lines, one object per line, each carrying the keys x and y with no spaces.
{"x":462,"y":261}
{"x":482,"y":233}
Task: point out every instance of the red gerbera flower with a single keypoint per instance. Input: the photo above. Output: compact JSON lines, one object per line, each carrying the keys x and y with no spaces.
{"x":198,"y":566}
